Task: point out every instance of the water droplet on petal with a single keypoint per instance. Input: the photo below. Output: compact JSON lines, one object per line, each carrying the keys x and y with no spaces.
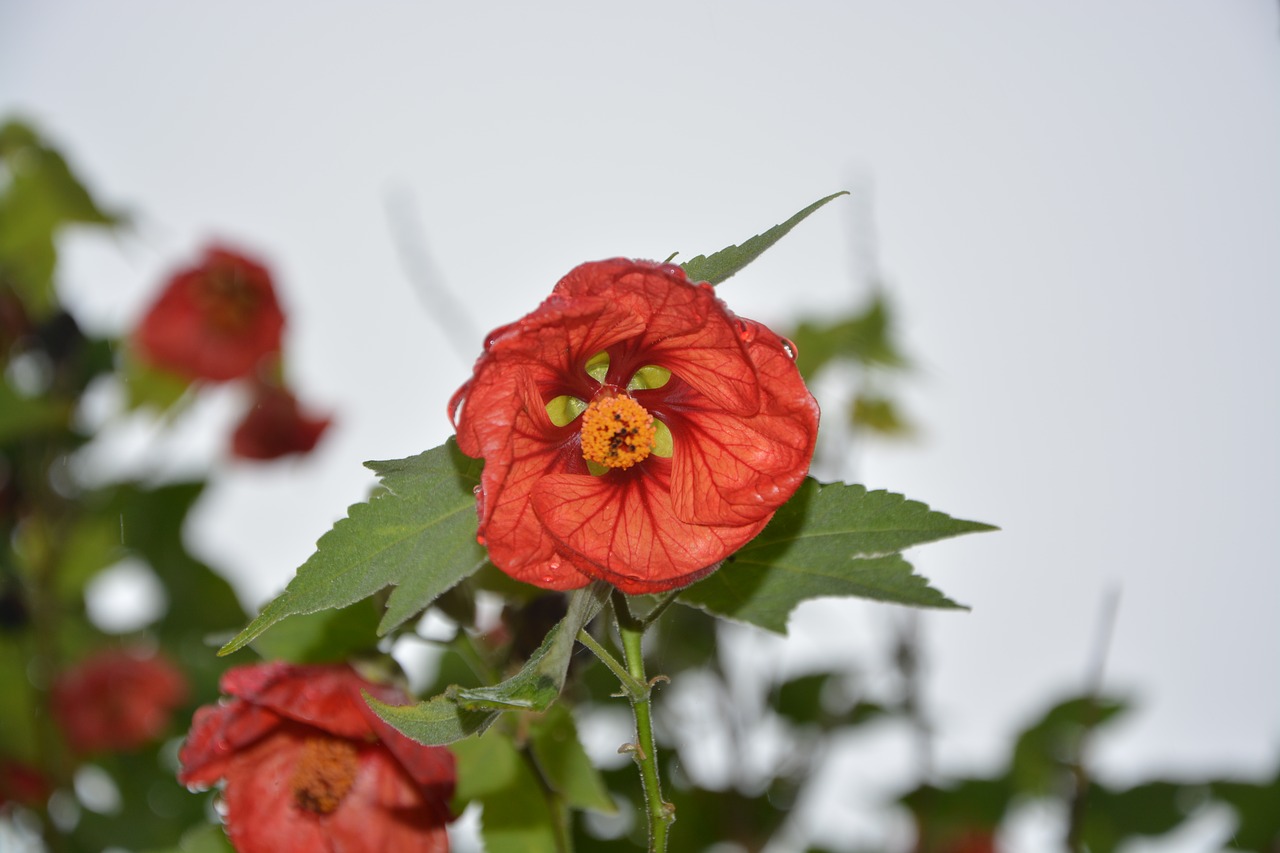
{"x":790,"y":349}
{"x":480,"y":540}
{"x":746,"y":330}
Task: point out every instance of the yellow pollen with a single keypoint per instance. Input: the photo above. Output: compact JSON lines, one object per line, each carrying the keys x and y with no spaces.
{"x":325,"y":773}
{"x":617,"y":432}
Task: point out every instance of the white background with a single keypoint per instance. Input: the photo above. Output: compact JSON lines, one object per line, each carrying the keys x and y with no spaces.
{"x":1076,"y":207}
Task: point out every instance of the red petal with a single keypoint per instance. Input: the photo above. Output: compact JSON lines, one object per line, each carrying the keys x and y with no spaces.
{"x":624,"y":527}
{"x":325,"y":696}
{"x":218,"y":734}
{"x":685,"y":328}
{"x":739,"y":470}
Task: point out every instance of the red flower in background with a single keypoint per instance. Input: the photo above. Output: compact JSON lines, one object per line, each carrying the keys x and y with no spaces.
{"x":23,"y":784}
{"x":214,"y":321}
{"x":276,"y":426}
{"x":633,"y":429}
{"x":308,"y":766}
{"x":117,"y":700}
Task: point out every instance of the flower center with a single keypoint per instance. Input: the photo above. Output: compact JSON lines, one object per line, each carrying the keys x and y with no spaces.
{"x":226,"y":299}
{"x":325,"y":773}
{"x":617,"y":432}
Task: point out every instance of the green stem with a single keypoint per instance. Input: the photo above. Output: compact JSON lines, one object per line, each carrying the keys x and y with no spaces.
{"x":661,"y":814}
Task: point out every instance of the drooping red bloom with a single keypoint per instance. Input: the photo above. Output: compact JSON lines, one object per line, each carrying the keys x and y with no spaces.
{"x":633,"y":429}
{"x":276,"y":426}
{"x":23,"y":784}
{"x":216,"y":320}
{"x":308,"y":766}
{"x":117,"y":700}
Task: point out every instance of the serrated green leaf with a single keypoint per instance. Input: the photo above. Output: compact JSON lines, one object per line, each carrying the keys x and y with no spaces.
{"x":540,"y":681}
{"x":419,"y":535}
{"x":553,"y":739}
{"x":828,"y":540}
{"x":724,"y":263}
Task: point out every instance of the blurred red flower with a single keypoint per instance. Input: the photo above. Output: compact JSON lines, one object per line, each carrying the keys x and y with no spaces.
{"x":216,"y":320}
{"x":633,"y":429}
{"x":276,"y":426}
{"x":23,"y":784}
{"x":117,"y":700}
{"x":308,"y":766}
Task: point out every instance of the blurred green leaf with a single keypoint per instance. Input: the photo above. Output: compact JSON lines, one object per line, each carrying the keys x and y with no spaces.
{"x":23,"y":417}
{"x":727,"y":261}
{"x":324,"y":636}
{"x":1257,"y":814}
{"x":517,"y":817}
{"x":150,"y":387}
{"x":553,"y":739}
{"x":828,"y":540}
{"x":879,"y":415}
{"x":963,"y":807}
{"x":419,"y":535}
{"x":40,"y":195}
{"x":866,"y":338}
{"x":1052,"y":743}
{"x":1113,"y":817}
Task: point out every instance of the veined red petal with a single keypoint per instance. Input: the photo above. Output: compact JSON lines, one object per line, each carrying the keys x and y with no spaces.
{"x":727,"y":469}
{"x":628,"y":532}
{"x":686,"y":328}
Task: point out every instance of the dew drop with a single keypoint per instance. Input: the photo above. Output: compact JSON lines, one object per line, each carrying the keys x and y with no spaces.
{"x":790,"y":349}
{"x":746,"y":331}
{"x":480,"y":540}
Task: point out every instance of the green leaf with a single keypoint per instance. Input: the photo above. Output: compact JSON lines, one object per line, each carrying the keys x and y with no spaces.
{"x":418,"y":535}
{"x":322,"y":637}
{"x":436,"y":722}
{"x":553,"y":738}
{"x":1047,"y":747}
{"x":517,"y":817}
{"x":460,"y":712}
{"x":865,"y":338}
{"x":727,"y":261}
{"x":1112,"y":816}
{"x":541,"y":679}
{"x":1257,"y":818}
{"x":831,"y":539}
{"x":23,"y":417}
{"x":879,"y":415}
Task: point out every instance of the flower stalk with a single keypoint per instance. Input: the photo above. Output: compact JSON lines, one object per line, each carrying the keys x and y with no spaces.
{"x":661,"y":814}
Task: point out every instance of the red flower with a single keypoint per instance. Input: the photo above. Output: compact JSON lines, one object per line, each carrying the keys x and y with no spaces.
{"x":23,"y":784}
{"x":309,"y":766}
{"x":633,"y":430}
{"x":213,"y":321}
{"x":117,"y":700}
{"x":276,"y":426}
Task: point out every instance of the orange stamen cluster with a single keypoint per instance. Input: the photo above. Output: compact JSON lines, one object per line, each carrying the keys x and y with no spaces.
{"x":325,"y":773}
{"x":617,"y":432}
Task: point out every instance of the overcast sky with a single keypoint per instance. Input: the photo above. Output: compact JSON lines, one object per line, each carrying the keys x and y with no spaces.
{"x":1075,"y":206}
